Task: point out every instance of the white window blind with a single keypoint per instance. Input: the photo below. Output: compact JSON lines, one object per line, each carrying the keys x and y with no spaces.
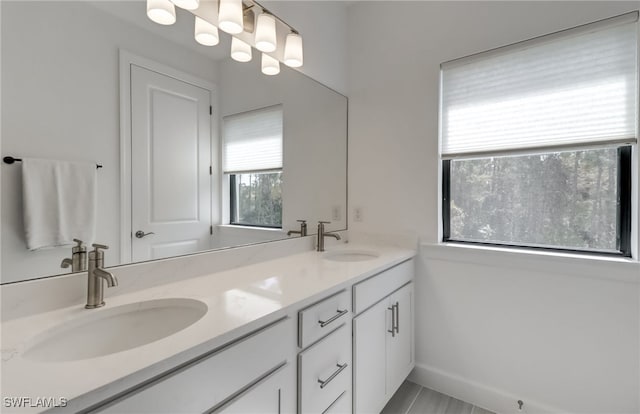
{"x":570,"y":88}
{"x":253,"y":140}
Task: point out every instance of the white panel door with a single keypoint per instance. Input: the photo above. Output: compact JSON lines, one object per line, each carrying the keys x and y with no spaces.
{"x":170,"y":160}
{"x":369,"y":357}
{"x":400,"y":359}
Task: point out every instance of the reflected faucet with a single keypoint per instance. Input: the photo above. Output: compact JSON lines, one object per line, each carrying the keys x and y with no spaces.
{"x":96,"y":275}
{"x":322,"y":235}
{"x":78,"y":260}
{"x":303,"y":229}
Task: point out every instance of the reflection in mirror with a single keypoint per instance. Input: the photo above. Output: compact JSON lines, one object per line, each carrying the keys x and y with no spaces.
{"x":98,"y":82}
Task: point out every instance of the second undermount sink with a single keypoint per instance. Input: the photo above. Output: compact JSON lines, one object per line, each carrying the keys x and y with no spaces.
{"x":350,"y":255}
{"x":110,"y":330}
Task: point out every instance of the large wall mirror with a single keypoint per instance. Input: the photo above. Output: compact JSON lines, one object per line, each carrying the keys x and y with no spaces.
{"x":198,"y":151}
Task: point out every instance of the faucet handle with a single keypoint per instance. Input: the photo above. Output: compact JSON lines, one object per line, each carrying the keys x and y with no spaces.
{"x":324,"y":222}
{"x":97,"y":254}
{"x":78,"y":248}
{"x":301,"y":221}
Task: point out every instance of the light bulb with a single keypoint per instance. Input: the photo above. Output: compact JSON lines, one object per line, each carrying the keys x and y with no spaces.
{"x":240,"y":51}
{"x":205,"y":33}
{"x":161,"y":11}
{"x":230,"y":17}
{"x":266,"y":33}
{"x":270,"y":66}
{"x":293,"y":50}
{"x":187,"y":4}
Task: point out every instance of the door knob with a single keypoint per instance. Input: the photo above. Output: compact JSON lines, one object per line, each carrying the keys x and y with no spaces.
{"x":140,"y":234}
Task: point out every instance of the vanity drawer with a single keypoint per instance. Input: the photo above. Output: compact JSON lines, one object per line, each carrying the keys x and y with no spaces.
{"x":371,"y":290}
{"x":324,"y":372}
{"x":340,"y":406}
{"x":322,"y":317}
{"x":206,"y":382}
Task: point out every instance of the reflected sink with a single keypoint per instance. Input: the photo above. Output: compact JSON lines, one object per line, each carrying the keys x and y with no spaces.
{"x":351,"y":255}
{"x":111,"y":330}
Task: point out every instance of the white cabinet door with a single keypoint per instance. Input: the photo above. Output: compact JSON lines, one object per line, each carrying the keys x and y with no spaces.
{"x":400,"y":360}
{"x":369,"y":356}
{"x":272,"y":395}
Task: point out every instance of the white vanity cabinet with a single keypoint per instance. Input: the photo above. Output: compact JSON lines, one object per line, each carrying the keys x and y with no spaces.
{"x":253,"y":371}
{"x":383,"y":351}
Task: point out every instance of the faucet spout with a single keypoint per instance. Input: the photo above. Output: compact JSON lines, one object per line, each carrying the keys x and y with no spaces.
{"x":334,"y":235}
{"x":66,"y":263}
{"x":108,"y":276}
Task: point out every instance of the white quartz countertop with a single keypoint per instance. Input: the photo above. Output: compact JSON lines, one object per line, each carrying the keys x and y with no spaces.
{"x":239,"y":301}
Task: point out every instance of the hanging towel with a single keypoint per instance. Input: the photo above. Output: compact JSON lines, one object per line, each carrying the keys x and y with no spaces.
{"x":59,"y":201}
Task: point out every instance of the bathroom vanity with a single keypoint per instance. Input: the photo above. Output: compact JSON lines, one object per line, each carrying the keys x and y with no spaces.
{"x":311,"y":332}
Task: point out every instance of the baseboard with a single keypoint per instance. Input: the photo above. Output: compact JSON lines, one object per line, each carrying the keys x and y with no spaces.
{"x":489,"y":398}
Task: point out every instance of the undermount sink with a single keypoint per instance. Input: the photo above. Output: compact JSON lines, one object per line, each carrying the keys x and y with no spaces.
{"x":351,"y":255}
{"x":110,"y":330}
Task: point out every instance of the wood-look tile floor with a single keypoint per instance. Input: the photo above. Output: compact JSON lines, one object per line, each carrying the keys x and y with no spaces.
{"x":411,"y":398}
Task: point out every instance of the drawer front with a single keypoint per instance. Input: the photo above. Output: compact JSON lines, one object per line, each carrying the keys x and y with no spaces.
{"x":322,"y":317}
{"x":324,"y":372}
{"x":340,"y":406}
{"x":269,"y":395}
{"x":371,"y":290}
{"x":206,"y":382}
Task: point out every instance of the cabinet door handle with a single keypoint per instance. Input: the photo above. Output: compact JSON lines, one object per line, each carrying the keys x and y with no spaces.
{"x":332,"y":376}
{"x":397,"y":305}
{"x":392,"y":331}
{"x":333,"y":318}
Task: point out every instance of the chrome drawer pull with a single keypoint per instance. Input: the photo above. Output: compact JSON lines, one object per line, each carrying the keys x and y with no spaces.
{"x":335,"y":374}
{"x":393,"y":321}
{"x":397,"y":305}
{"x":333,"y":318}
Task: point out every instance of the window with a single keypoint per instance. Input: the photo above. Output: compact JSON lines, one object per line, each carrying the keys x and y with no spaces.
{"x":252,"y":156}
{"x":536,"y":141}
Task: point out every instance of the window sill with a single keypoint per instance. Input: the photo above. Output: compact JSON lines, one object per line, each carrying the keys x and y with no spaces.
{"x":582,"y":265}
{"x":248,"y":228}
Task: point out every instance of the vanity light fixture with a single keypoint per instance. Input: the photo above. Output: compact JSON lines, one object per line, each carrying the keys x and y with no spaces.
{"x":238,"y":17}
{"x":187,"y":4}
{"x":266,"y":33}
{"x":270,"y":65}
{"x":240,"y":51}
{"x":293,"y":50}
{"x":230,"y":16}
{"x":161,"y":11}
{"x":205,"y":33}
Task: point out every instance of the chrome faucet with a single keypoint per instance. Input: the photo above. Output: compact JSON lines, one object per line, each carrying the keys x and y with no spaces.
{"x":303,"y":229}
{"x":96,"y":274}
{"x":78,"y":260}
{"x":322,"y":235}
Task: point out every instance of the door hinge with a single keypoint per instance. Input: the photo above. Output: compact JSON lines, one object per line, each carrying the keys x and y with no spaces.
{"x":211,"y":170}
{"x":210,"y":229}
{"x":210,"y":110}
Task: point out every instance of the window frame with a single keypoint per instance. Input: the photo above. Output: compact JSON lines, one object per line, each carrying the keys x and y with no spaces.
{"x":233,"y":204}
{"x":623,"y":216}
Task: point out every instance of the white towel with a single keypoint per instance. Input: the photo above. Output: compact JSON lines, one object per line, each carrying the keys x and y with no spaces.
{"x":60,"y":200}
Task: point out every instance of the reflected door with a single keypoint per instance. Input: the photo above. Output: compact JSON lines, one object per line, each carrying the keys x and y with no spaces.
{"x":170,"y":161}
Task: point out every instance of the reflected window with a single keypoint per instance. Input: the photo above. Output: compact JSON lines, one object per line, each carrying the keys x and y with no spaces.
{"x":252,"y":162}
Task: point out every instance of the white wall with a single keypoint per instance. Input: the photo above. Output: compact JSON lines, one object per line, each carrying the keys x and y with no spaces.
{"x":491,"y":328}
{"x":60,"y":100}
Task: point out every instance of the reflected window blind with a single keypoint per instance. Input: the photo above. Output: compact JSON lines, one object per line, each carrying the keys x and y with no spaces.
{"x":253,"y":140}
{"x":569,"y":88}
